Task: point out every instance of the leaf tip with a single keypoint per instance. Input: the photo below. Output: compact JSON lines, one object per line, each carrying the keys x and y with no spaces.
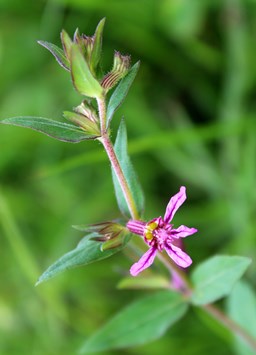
{"x":39,"y":281}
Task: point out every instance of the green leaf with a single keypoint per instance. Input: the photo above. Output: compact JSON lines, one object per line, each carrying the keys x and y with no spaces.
{"x":144,"y":282}
{"x":241,"y":305}
{"x":96,"y":50}
{"x":215,"y":277}
{"x":83,"y":80}
{"x":121,"y":91}
{"x":66,"y":43}
{"x":141,"y":322}
{"x":58,"y":130}
{"x":58,"y":54}
{"x":86,"y":252}
{"x":129,"y":173}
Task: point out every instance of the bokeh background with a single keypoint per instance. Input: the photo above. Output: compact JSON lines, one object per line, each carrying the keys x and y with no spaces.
{"x":191,"y":121}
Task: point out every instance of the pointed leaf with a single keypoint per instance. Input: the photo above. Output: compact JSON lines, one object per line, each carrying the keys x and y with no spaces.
{"x":57,"y":52}
{"x":241,"y":305}
{"x":215,"y":277}
{"x":83,"y":80}
{"x":86,"y":252}
{"x":141,"y":322}
{"x":96,"y":50}
{"x":88,"y":228}
{"x":129,"y":173}
{"x":58,"y":130}
{"x":121,"y":91}
{"x":66,"y":43}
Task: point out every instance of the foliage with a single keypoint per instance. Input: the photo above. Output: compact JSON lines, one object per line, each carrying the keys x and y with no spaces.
{"x":190,"y":118}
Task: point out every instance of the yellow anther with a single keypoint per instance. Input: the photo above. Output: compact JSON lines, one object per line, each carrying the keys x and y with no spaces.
{"x":150,"y":227}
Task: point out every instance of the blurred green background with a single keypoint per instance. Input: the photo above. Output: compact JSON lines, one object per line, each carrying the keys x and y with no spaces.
{"x":191,"y":121}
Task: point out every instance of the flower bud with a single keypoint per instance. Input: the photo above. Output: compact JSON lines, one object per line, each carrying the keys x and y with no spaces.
{"x":87,"y":110}
{"x":120,"y":68}
{"x":110,"y":234}
{"x":83,"y":122}
{"x":90,"y":46}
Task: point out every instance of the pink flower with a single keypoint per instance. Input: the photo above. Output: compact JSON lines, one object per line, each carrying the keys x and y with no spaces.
{"x":159,"y":235}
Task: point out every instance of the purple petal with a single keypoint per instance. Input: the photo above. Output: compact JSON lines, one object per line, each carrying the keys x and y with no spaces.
{"x":136,"y":227}
{"x":178,"y":256}
{"x":175,"y":202}
{"x":182,"y":232}
{"x":145,"y":261}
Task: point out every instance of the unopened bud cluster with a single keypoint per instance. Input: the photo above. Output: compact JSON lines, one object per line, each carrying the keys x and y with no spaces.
{"x":81,"y":56}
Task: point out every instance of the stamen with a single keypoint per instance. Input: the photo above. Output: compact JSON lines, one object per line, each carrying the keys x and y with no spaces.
{"x":149,"y":229}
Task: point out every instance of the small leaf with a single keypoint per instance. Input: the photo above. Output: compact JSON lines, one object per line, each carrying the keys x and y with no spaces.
{"x":121,"y":91}
{"x":58,"y":130}
{"x":58,"y":54}
{"x":66,"y":43}
{"x":141,"y":322}
{"x":86,"y":252}
{"x":129,"y":173}
{"x":215,"y":277}
{"x":241,"y":305}
{"x":83,"y":80}
{"x":144,"y":282}
{"x":96,"y":50}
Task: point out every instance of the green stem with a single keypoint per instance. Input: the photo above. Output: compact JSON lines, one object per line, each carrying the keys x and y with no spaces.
{"x":230,"y":324}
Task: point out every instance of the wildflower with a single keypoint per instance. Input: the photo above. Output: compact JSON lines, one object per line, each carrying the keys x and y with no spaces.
{"x":159,"y":235}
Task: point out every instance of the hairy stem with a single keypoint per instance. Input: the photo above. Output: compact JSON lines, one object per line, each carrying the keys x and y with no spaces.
{"x":120,"y":175}
{"x":108,"y":146}
{"x":102,"y":114}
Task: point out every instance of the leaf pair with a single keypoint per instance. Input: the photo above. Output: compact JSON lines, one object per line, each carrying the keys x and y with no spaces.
{"x":149,"y":318}
{"x":68,"y":132}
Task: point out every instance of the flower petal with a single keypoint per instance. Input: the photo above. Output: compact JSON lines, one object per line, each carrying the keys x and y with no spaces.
{"x":145,"y":261}
{"x":178,"y":256}
{"x":136,"y":227}
{"x":175,"y":202}
{"x":182,"y":232}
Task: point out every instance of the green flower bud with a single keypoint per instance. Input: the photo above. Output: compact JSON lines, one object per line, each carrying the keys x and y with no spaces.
{"x":87,"y":110}
{"x":83,"y":122}
{"x":120,"y":68}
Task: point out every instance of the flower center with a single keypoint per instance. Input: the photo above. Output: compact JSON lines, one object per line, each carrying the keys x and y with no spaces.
{"x":156,"y":232}
{"x":149,"y":229}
